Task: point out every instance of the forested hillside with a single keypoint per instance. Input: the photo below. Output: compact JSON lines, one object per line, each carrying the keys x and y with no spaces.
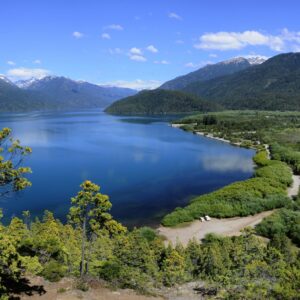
{"x":158,"y":102}
{"x":273,"y":85}
{"x":208,"y":72}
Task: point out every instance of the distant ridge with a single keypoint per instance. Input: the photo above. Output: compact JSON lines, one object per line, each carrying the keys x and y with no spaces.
{"x":160,"y":102}
{"x":56,"y":93}
{"x":212,"y":71}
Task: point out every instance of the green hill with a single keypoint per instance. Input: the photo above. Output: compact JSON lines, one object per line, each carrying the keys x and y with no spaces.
{"x":273,"y":85}
{"x":157,"y":102}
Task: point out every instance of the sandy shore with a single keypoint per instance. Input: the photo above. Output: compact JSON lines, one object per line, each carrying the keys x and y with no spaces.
{"x":198,"y":229}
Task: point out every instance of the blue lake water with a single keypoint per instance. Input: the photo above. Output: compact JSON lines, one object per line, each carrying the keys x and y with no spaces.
{"x":146,"y":167}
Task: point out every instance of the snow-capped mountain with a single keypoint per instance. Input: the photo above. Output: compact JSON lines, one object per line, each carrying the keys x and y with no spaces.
{"x":234,"y":60}
{"x":256,"y":60}
{"x":24,"y":84}
{"x":252,"y":60}
{"x":5,"y":79}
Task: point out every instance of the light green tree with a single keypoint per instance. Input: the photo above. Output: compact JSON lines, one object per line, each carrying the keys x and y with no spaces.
{"x":12,"y":154}
{"x":89,"y":211}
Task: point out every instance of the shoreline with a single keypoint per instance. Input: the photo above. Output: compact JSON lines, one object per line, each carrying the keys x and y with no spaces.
{"x":208,"y":135}
{"x":226,"y":226}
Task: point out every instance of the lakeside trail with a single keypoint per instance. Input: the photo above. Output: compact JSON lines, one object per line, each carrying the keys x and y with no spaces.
{"x":293,"y":190}
{"x":198,"y":229}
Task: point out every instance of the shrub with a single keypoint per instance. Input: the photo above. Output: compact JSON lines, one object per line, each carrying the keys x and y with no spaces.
{"x":54,"y":271}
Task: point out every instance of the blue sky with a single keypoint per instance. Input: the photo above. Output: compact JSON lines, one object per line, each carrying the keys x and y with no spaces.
{"x":139,"y":43}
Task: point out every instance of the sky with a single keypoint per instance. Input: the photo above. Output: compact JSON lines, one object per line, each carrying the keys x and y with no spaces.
{"x":139,"y":44}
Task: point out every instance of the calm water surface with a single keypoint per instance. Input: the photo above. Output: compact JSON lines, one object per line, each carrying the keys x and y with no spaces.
{"x":146,"y":167}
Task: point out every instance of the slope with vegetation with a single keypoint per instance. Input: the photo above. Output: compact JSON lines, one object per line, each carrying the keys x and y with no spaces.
{"x":250,"y":129}
{"x":272,"y":85}
{"x":159,"y":102}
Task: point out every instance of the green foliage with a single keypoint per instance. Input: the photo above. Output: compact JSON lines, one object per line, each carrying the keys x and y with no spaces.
{"x":53,"y":271}
{"x":12,"y":154}
{"x":90,"y":214}
{"x":238,"y":199}
{"x":277,"y":171}
{"x":10,"y":262}
{"x":158,"y":102}
{"x":261,"y":158}
{"x":282,"y":223}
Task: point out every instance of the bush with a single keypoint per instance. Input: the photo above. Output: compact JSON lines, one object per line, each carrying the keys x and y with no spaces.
{"x":237,"y":199}
{"x":54,"y":271}
{"x":110,"y":270}
{"x":261,"y":158}
{"x":284,"y":222}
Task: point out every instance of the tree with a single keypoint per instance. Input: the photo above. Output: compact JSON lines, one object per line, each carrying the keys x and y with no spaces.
{"x":12,"y":172}
{"x":12,"y":179}
{"x":89,"y":211}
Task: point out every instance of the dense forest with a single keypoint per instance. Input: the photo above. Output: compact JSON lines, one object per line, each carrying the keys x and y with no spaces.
{"x":159,"y":102}
{"x":94,"y":245}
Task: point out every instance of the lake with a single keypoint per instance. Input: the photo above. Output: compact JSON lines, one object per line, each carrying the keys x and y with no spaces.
{"x":146,"y":167}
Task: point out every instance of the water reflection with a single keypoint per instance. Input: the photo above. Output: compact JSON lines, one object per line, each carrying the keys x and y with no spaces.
{"x":228,"y":162}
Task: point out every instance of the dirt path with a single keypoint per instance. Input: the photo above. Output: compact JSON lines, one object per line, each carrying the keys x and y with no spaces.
{"x":198,"y":229}
{"x":294,"y":189}
{"x":64,"y":290}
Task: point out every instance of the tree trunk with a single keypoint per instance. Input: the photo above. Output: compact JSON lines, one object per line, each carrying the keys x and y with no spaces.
{"x":82,"y":265}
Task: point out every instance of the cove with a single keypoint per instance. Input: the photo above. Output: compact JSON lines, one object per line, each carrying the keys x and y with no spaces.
{"x":146,"y":167}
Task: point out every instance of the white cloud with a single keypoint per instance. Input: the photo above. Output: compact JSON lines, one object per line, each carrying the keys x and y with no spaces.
{"x":152,"y":49}
{"x":26,"y":73}
{"x":37,"y":61}
{"x":137,"y":84}
{"x":106,"y":36}
{"x":173,"y":15}
{"x":238,"y":40}
{"x":198,"y":65}
{"x":115,"y":51}
{"x":11,"y":63}
{"x":137,"y":57}
{"x":114,"y":27}
{"x":179,"y":42}
{"x":135,"y":50}
{"x":191,"y":65}
{"x":77,"y":35}
{"x":162,"y":62}
{"x":213,"y":55}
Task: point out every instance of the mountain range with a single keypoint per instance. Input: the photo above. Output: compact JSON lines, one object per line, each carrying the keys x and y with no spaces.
{"x":212,"y":71}
{"x":56,"y":93}
{"x":239,"y":83}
